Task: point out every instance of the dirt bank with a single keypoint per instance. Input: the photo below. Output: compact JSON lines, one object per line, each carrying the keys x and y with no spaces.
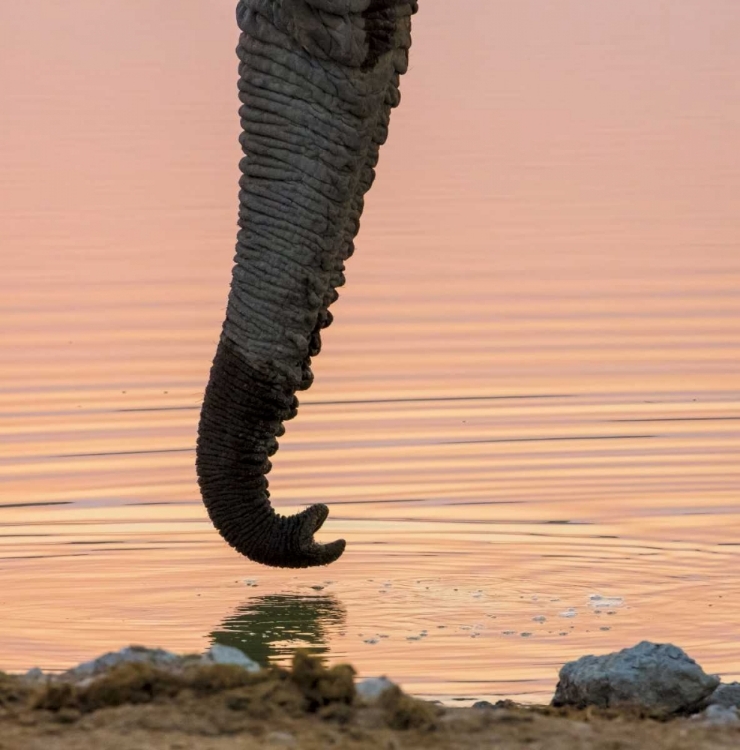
{"x":142,"y":707}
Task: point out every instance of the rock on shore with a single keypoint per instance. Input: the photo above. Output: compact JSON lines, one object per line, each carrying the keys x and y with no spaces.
{"x":658,"y":678}
{"x":727,"y":696}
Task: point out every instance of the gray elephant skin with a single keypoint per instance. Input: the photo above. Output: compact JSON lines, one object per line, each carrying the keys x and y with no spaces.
{"x":317,"y":82}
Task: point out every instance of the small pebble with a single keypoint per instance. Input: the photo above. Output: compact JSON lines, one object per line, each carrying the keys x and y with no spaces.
{"x":727,"y":695}
{"x":719,"y":716}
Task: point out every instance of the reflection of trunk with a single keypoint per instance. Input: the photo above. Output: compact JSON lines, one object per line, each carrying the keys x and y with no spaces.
{"x":318,"y":79}
{"x":270,"y":627}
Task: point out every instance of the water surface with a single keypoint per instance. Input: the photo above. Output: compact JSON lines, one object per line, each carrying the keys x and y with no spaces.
{"x":526,"y":419}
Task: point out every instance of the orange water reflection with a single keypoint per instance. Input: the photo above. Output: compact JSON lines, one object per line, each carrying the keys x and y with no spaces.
{"x":530,"y":396}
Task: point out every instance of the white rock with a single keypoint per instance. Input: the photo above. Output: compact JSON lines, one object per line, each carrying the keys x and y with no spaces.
{"x":371,"y":688}
{"x":220,"y":654}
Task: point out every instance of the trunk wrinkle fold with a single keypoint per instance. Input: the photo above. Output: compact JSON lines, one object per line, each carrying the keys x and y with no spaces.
{"x":317,"y":82}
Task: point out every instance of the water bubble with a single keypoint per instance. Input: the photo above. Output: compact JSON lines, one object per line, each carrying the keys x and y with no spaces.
{"x":598,"y":601}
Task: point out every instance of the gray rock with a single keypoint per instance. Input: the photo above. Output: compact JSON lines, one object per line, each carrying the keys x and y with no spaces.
{"x":128,"y":655}
{"x":726,"y":695}
{"x":656,"y":677}
{"x":158,"y":657}
{"x":483,"y":704}
{"x":219,"y":654}
{"x":35,"y":674}
{"x":719,"y":715}
{"x":371,"y":688}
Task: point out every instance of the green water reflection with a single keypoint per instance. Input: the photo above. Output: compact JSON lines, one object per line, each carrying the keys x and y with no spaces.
{"x":271,"y":628}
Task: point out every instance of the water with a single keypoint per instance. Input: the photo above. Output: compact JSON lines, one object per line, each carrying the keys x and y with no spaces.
{"x":530,"y":396}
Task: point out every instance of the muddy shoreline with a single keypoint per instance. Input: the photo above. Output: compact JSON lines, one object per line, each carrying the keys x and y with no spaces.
{"x":205,"y":702}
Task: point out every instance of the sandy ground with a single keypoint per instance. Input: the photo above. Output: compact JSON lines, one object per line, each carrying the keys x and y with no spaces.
{"x":138,"y":707}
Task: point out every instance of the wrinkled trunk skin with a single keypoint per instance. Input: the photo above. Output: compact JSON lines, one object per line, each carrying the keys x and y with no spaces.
{"x":318,"y":79}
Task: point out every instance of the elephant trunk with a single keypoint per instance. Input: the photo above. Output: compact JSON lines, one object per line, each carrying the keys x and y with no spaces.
{"x":318,"y":79}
